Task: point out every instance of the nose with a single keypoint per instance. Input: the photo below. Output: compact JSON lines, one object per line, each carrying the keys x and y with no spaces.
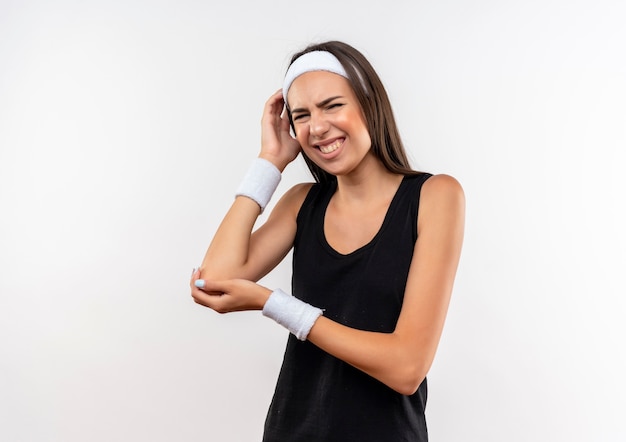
{"x":318,"y":125}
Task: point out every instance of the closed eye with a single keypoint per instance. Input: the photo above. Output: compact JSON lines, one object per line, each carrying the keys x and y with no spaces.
{"x":298,"y":117}
{"x":300,"y":114}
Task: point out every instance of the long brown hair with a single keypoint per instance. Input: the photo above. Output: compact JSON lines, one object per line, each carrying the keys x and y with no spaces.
{"x":372,"y":96}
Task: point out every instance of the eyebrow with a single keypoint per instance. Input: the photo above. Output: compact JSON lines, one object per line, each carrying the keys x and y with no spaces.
{"x":318,"y":105}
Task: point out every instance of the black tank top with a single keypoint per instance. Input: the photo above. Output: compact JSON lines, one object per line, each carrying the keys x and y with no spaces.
{"x":319,"y":397}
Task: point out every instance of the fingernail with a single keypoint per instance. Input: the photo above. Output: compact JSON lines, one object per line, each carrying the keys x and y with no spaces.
{"x":199,"y":283}
{"x":193,"y":271}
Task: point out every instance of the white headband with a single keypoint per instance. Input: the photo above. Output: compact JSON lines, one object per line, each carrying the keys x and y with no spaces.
{"x":309,"y":62}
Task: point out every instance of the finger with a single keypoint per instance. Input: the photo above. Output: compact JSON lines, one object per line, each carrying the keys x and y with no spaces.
{"x":285,"y":124}
{"x":274,"y":96}
{"x":202,"y":298}
{"x":195,"y":285}
{"x":199,"y":291}
{"x":195,"y":274}
{"x":279,"y":102}
{"x":207,"y":285}
{"x":271,"y":114}
{"x":275,"y":99}
{"x":281,"y":98}
{"x":216,"y":303}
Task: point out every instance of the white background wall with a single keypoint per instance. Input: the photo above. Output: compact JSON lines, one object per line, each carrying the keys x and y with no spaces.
{"x":125,"y":127}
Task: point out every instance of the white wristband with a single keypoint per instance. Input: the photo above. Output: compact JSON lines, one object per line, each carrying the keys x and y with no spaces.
{"x":260,"y":182}
{"x":295,"y":315}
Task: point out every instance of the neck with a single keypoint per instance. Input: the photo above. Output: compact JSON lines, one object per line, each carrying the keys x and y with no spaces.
{"x":367,"y":184}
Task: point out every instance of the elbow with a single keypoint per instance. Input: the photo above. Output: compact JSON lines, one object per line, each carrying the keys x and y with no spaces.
{"x":213,"y":275}
{"x":410,"y":379}
{"x":409,"y":386}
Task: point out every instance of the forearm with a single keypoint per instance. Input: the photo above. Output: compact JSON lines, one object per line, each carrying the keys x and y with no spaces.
{"x":399,"y":360}
{"x":235,"y":252}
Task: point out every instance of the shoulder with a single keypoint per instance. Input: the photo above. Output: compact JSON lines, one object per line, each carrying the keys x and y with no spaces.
{"x":442,"y":186}
{"x":442,"y":197}
{"x":293,"y":198}
{"x":298,"y":192}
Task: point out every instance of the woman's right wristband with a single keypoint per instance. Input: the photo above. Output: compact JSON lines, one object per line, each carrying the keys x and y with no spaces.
{"x":295,"y":315}
{"x":260,"y":182}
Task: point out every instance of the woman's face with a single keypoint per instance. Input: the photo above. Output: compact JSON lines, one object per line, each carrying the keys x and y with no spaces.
{"x":328,"y":121}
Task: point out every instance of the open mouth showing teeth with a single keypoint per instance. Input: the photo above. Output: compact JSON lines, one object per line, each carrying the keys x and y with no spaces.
{"x":331,"y":147}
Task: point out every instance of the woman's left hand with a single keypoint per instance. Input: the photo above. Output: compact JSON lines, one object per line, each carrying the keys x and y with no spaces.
{"x":232,"y":295}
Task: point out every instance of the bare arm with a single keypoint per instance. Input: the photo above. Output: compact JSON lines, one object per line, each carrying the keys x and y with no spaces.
{"x":236,"y":252}
{"x":402,"y":359}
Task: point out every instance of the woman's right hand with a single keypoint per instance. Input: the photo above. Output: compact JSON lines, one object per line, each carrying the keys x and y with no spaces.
{"x":277,"y":144}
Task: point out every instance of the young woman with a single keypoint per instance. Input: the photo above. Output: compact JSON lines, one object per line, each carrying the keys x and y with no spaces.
{"x":376,"y":247}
